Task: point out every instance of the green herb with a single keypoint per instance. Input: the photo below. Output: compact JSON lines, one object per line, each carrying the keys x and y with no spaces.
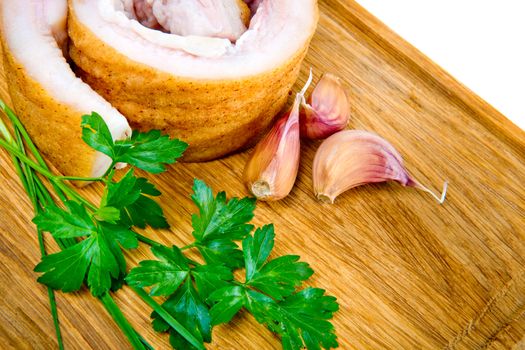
{"x":147,"y":151}
{"x":219,"y":224}
{"x":29,"y":182}
{"x":90,"y":236}
{"x":41,"y":198}
{"x":199,"y":296}
{"x":98,"y":256}
{"x":202,"y":296}
{"x":132,"y":198}
{"x":277,"y":278}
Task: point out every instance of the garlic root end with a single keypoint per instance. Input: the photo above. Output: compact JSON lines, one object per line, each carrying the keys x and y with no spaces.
{"x":306,"y":85}
{"x":443,"y":192}
{"x":324,"y":198}
{"x":261,"y":189}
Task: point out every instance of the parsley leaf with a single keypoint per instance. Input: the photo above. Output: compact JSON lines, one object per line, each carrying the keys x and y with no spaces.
{"x":228,"y":301}
{"x":108,"y":214}
{"x":304,"y":320}
{"x":172,"y":268}
{"x":221,"y":251}
{"x":103,"y":264}
{"x":149,"y":151}
{"x":171,"y":275}
{"x":65,"y":224}
{"x":119,"y":236}
{"x":165,"y":274}
{"x":190,"y":310}
{"x":96,"y":134}
{"x":209,"y":278}
{"x":132,"y":197}
{"x":300,"y":318}
{"x":277,"y":278}
{"x":98,"y":256}
{"x":219,"y":223}
{"x":263,"y":308}
{"x":202,"y":296}
{"x":67,"y":269}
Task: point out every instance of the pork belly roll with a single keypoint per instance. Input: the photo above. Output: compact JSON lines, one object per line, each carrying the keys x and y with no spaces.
{"x":46,"y":94}
{"x":213,"y":73}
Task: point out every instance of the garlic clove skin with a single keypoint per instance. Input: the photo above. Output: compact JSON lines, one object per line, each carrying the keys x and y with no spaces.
{"x":272,"y":168}
{"x":327,"y":110}
{"x":352,"y":158}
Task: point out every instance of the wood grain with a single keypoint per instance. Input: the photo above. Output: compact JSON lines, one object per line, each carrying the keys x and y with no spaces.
{"x":408,"y":273}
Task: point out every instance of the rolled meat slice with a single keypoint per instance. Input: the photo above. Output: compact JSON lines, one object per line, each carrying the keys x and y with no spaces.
{"x":46,"y":94}
{"x":217,"y":90}
{"x":220,"y":19}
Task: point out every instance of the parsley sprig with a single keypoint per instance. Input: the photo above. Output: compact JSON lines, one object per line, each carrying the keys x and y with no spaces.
{"x":197,"y":295}
{"x":106,"y":229}
{"x":204,"y":295}
{"x":91,"y":237}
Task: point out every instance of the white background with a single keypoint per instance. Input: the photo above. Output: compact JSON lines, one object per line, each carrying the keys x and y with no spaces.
{"x":481,"y":43}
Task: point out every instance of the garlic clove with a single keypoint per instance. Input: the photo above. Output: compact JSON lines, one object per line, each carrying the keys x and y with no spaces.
{"x":327,"y":110}
{"x":352,"y":158}
{"x":272,"y":167}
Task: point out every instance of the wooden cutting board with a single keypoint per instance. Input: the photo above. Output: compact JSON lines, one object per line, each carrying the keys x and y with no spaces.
{"x":408,"y":273}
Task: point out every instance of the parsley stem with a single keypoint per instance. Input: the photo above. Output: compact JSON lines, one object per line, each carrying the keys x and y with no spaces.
{"x":24,"y":172}
{"x":40,"y":197}
{"x":79,"y":178}
{"x":42,"y":170}
{"x":168,"y":318}
{"x":71,"y":193}
{"x":45,"y":199}
{"x":121,"y":321}
{"x":17,"y":165}
{"x":110,"y":172}
{"x":55,"y":180}
{"x":54,"y":314}
{"x":145,"y":343}
{"x":147,"y":240}
{"x":189,"y":246}
{"x":4,"y":131}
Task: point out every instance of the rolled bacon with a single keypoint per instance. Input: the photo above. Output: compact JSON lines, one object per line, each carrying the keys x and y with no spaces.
{"x":46,"y":94}
{"x":213,"y":73}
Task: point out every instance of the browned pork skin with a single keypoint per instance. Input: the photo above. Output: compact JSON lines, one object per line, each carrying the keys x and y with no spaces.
{"x":46,"y":94}
{"x":217,"y":91}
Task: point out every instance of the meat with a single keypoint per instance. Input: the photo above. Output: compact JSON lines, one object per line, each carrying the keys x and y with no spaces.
{"x":253,"y":4}
{"x":212,"y":18}
{"x":143,"y":10}
{"x":215,"y":94}
{"x":46,"y":94}
{"x":213,"y":73}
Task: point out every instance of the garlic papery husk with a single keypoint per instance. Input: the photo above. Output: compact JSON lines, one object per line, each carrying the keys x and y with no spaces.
{"x":351,"y":158}
{"x":327,"y":110}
